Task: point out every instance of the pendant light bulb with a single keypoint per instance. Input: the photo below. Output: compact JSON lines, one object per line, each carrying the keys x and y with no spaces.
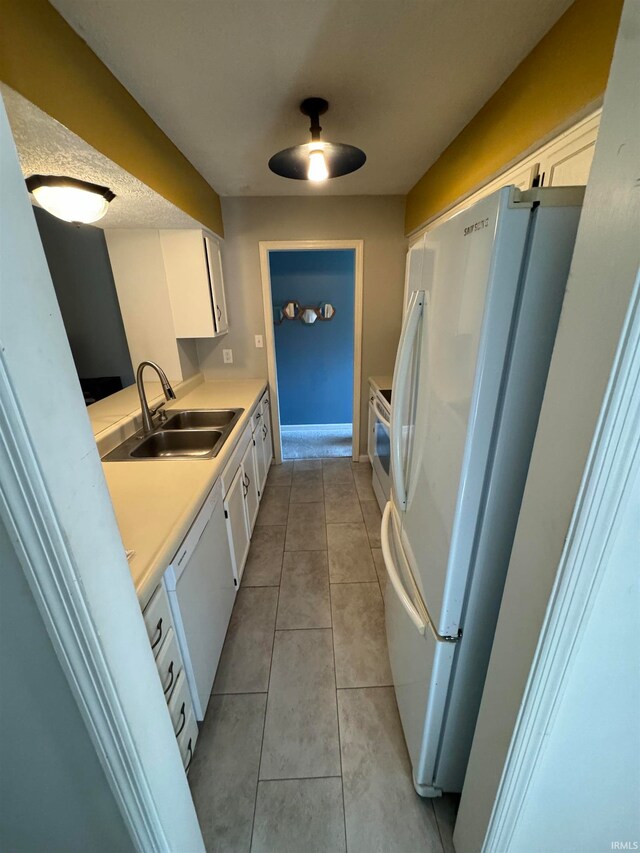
{"x":317,"y":164}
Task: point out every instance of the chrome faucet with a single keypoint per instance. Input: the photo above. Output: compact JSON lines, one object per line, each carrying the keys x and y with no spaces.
{"x":169,"y":393}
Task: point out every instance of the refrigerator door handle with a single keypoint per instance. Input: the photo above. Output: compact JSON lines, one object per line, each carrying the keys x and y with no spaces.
{"x":400,"y":388}
{"x":421,"y":621}
{"x":394,"y":577}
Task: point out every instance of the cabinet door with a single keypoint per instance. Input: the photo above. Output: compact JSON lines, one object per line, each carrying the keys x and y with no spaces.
{"x":237,"y":527}
{"x":251,"y":494}
{"x":261,"y":470}
{"x":187,"y":276}
{"x":266,"y":445}
{"x":214,"y":263}
{"x":568,"y":161}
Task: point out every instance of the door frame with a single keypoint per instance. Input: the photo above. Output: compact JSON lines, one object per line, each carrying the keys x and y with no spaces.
{"x":597,"y":515}
{"x":267,"y":246}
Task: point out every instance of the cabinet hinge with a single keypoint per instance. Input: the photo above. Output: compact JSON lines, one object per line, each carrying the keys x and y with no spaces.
{"x":226,"y":514}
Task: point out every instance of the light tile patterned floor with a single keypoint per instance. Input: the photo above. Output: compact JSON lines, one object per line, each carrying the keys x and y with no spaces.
{"x":302,"y":747}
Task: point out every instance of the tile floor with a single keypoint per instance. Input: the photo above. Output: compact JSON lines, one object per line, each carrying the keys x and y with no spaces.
{"x":302,"y":748}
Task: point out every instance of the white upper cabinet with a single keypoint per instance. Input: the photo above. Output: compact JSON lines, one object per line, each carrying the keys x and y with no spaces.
{"x":216,"y":279}
{"x":193,"y":269}
{"x":561,"y":162}
{"x":567,"y":160}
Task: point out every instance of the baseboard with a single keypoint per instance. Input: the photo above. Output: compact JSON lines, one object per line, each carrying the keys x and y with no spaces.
{"x":311,"y":427}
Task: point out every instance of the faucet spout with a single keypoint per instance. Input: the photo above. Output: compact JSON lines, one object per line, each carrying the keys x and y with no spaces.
{"x":169,"y":393}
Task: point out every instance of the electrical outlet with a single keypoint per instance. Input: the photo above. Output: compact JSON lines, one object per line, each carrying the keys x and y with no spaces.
{"x":227,"y":356}
{"x":259,"y":343}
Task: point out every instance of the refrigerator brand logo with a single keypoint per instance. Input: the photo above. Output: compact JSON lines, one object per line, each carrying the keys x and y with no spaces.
{"x":477,"y":226}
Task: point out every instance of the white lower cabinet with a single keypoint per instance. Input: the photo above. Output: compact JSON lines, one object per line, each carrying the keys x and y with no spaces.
{"x":237,"y":523}
{"x":243,"y":481}
{"x":188,"y":614}
{"x":264,"y":444}
{"x":250,"y":479}
{"x":163,"y":639}
{"x":187,"y":741}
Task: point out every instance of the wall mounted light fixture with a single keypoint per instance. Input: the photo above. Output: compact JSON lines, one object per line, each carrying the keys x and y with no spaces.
{"x":69,"y":198}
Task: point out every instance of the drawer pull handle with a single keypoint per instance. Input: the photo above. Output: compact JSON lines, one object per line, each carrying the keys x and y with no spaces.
{"x":247,"y":481}
{"x":190,"y":751}
{"x":183,"y":719}
{"x":170,"y":684}
{"x":264,"y":430}
{"x":155,"y":642}
{"x":219,"y":310}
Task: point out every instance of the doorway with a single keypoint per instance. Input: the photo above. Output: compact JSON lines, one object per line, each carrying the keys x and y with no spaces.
{"x":312,"y":293}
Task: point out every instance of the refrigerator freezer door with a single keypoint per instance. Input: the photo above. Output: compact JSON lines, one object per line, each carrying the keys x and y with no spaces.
{"x":471,"y":288}
{"x":421,"y":666}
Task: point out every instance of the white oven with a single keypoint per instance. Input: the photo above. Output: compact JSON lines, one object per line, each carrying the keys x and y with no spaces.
{"x":379,"y":445}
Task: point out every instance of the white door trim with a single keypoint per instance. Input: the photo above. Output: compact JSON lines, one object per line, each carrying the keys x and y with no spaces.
{"x":614,"y":454}
{"x":49,"y":569}
{"x":288,"y":245}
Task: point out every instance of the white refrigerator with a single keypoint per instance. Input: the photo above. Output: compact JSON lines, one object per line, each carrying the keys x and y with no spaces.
{"x":482,"y":310}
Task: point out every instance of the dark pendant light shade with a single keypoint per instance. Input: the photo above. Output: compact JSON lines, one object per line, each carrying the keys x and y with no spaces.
{"x":334,"y":159}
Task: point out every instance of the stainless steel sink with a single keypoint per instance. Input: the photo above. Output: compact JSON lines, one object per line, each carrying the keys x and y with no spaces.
{"x":195,"y":444}
{"x":201,"y":419}
{"x":186,"y":434}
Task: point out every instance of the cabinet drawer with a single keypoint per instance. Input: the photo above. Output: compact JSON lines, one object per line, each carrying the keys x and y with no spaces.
{"x":157,"y":618}
{"x":180,"y":704}
{"x":187,"y":740}
{"x":169,"y":663}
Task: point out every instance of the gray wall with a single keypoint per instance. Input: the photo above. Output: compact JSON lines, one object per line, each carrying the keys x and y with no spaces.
{"x":378,"y":220}
{"x":53,"y":792}
{"x":79,"y":265}
{"x":603,"y":270}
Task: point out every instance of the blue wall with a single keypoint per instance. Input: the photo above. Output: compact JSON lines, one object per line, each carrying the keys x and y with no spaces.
{"x":315,"y":362}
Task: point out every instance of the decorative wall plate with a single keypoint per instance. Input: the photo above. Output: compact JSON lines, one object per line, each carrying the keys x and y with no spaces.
{"x":291,"y":309}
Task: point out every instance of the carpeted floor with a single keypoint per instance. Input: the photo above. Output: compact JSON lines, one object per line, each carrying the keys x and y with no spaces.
{"x":316,"y":444}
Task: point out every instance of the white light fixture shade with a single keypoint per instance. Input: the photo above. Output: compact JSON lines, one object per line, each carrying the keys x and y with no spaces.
{"x":70,"y":199}
{"x":317,"y":164}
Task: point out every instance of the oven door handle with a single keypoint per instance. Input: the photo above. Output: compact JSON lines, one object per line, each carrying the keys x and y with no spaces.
{"x":386,"y":423}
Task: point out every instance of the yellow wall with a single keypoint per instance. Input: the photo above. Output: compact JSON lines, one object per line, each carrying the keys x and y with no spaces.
{"x":43,"y":59}
{"x":562,"y":75}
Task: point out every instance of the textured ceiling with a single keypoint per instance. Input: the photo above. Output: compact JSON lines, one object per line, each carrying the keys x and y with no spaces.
{"x":224,"y":78}
{"x":46,"y":147}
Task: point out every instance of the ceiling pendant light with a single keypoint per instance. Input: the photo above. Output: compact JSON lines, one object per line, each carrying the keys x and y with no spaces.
{"x":316,"y":160}
{"x":70,"y":199}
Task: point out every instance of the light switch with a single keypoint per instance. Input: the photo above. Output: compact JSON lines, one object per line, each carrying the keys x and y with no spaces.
{"x":259,"y":343}
{"x":227,"y":356}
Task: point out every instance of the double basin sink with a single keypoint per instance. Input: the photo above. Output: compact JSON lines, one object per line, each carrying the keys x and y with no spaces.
{"x":185,"y":434}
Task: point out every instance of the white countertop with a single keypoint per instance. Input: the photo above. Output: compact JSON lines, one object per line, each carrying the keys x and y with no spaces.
{"x":156,"y":500}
